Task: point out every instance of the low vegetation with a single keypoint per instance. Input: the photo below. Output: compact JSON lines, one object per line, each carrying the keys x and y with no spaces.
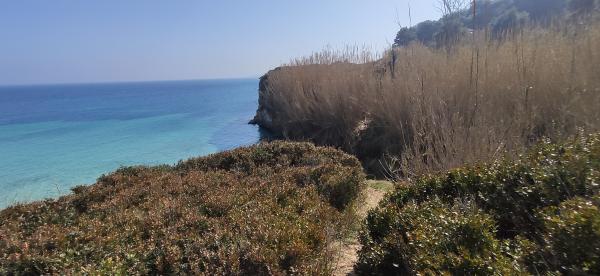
{"x":267,"y":209}
{"x":535,"y":215}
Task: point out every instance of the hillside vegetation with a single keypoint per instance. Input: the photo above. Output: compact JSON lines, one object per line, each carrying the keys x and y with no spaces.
{"x":267,"y":209}
{"x":539,"y":214}
{"x":496,"y":17}
{"x":420,"y":109}
{"x":489,"y":136}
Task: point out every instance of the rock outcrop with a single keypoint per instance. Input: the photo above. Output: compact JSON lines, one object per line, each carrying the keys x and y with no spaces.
{"x":287,"y":109}
{"x":265,"y":111}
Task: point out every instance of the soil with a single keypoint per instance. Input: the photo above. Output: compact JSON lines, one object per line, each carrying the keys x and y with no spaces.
{"x":347,"y":250}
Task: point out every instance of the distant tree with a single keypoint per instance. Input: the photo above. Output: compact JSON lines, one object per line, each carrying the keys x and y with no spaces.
{"x":450,"y":8}
{"x":426,"y":31}
{"x":511,"y":20}
{"x":405,"y":36}
{"x":452,"y":26}
{"x":500,"y":15}
{"x":450,"y":32}
{"x":580,"y":9}
{"x":541,"y":10}
{"x":484,"y":14}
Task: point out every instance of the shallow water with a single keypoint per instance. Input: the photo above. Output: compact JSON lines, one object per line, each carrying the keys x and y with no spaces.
{"x":54,"y":137}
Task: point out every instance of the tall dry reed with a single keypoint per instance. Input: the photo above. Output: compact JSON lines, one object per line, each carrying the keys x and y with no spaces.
{"x":420,"y":109}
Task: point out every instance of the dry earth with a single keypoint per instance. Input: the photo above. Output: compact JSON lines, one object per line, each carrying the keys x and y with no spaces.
{"x":347,"y":250}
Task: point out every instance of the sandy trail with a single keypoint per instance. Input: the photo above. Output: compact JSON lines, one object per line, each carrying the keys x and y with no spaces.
{"x":347,"y":251}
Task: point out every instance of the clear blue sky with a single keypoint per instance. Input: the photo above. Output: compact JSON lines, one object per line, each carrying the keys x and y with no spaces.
{"x":63,"y":41}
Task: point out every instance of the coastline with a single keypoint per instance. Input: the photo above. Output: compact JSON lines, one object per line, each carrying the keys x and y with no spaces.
{"x":99,"y":128}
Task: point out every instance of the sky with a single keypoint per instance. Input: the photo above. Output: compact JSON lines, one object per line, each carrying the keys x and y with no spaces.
{"x":69,"y":41}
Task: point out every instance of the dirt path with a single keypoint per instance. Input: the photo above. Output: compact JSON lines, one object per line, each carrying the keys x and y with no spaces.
{"x":348,"y":250}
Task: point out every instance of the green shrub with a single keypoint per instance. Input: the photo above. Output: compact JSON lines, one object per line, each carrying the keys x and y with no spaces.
{"x":513,"y":190}
{"x":571,"y":238}
{"x":265,"y":209}
{"x":275,"y":156}
{"x":435,"y":238}
{"x":539,"y":204}
{"x":337,"y":176}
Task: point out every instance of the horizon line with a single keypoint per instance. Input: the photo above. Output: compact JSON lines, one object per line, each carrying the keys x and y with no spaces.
{"x":124,"y":81}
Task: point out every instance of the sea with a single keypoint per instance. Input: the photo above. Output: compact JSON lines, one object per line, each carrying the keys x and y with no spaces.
{"x":55,"y":137}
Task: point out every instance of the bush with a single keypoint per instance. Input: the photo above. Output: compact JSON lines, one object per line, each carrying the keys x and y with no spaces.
{"x":513,"y":190}
{"x":571,"y":238}
{"x":545,"y":204}
{"x":337,"y":175}
{"x":265,"y":209}
{"x":276,"y":156}
{"x":433,"y":238}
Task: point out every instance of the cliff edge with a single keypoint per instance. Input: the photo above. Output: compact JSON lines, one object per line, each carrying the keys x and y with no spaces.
{"x":265,"y":111}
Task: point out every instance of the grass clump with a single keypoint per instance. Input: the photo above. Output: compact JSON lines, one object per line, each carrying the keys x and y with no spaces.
{"x":537,"y":214}
{"x":265,"y":209}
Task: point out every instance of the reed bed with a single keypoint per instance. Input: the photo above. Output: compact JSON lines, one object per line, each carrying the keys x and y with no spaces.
{"x":419,"y":109}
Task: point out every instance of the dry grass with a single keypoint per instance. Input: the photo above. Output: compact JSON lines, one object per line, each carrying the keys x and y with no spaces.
{"x":329,"y":55}
{"x":420,"y":109}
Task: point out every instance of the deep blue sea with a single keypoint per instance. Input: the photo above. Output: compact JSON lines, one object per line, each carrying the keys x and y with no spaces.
{"x":54,"y":137}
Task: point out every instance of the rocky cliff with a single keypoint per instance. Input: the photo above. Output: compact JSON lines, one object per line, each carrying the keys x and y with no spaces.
{"x":265,"y":111}
{"x":299,"y":103}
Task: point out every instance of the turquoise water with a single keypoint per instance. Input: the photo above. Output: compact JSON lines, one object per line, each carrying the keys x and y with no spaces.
{"x":55,"y":137}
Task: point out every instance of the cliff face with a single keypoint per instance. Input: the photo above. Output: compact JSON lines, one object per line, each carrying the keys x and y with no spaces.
{"x":284,"y":90}
{"x":265,"y":111}
{"x":296,"y":103}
